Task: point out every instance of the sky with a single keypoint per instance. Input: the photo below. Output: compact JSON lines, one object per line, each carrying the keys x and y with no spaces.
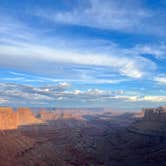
{"x":83,"y":53}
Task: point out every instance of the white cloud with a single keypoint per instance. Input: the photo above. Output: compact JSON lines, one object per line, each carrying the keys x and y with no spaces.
{"x":14,"y":94}
{"x":130,"y":16}
{"x":160,"y":80}
{"x":3,"y":101}
{"x":63,"y":85}
{"x":39,"y":56}
{"x":148,"y":98}
{"x":157,"y":50}
{"x":155,"y":98}
{"x":27,"y":55}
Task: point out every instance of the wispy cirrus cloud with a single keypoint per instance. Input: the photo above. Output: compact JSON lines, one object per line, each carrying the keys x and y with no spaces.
{"x":156,"y":50}
{"x":21,"y":45}
{"x":118,"y":60}
{"x":131,"y":16}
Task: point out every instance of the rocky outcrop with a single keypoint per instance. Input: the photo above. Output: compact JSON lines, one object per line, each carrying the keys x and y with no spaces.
{"x":26,"y":117}
{"x":152,"y":124}
{"x":155,"y":114}
{"x":8,"y":118}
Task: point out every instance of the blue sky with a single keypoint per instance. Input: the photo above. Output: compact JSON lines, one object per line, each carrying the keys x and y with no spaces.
{"x":83,"y":53}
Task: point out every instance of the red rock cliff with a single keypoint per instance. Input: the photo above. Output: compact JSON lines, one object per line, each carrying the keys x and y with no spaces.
{"x":8,"y":118}
{"x":26,"y":117}
{"x":11,"y":120}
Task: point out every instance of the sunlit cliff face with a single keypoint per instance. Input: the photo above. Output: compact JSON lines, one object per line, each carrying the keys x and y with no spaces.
{"x":10,"y":119}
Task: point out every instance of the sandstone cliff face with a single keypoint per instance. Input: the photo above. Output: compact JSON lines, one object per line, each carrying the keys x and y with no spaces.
{"x":8,"y":118}
{"x":11,"y":120}
{"x":26,"y":117}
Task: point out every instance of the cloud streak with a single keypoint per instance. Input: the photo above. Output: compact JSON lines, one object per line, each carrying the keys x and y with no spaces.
{"x":132,"y":16}
{"x":161,"y":80}
{"x":31,"y":55}
{"x":148,"y":98}
{"x":26,"y":55}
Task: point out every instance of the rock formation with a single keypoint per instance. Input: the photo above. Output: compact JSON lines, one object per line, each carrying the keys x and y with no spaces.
{"x":8,"y":118}
{"x":155,"y":114}
{"x":26,"y":117}
{"x":152,"y":124}
{"x":11,"y":120}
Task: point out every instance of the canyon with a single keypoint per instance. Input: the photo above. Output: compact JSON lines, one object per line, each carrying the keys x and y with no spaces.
{"x":80,"y":137}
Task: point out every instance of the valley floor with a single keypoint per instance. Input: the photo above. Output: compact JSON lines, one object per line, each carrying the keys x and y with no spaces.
{"x":98,"y":141}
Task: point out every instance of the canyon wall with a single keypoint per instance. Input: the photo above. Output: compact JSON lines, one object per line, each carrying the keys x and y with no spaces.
{"x":10,"y":119}
{"x":155,"y":114}
{"x":26,"y":117}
